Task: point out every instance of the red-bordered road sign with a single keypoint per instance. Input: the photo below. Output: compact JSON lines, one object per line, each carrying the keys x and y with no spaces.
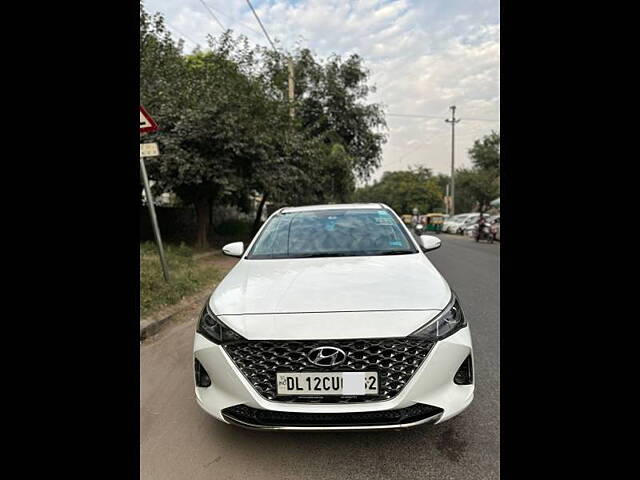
{"x":147,"y":124}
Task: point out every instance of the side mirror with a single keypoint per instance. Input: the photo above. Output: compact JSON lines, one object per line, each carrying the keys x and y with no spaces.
{"x":235,"y":249}
{"x":429,"y":242}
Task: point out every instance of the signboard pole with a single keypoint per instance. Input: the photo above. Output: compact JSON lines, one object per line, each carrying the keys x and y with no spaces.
{"x":154,"y":220}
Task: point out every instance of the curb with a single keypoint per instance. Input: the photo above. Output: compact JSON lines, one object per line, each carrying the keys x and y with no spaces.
{"x":153,"y":326}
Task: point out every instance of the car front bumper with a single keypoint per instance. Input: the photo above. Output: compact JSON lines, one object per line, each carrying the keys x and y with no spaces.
{"x":431,"y":396}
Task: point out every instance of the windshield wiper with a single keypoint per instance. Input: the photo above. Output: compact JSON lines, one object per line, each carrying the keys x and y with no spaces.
{"x":394,"y":252}
{"x":359,"y":253}
{"x":322,"y":254}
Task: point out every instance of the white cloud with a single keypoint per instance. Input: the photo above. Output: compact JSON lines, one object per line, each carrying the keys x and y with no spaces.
{"x":423,"y":57}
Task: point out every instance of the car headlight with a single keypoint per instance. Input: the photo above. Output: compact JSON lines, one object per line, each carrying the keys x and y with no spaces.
{"x":448,"y":322}
{"x":211,"y":327}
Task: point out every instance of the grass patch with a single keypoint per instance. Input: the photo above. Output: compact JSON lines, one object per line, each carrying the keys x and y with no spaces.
{"x":188,"y":275}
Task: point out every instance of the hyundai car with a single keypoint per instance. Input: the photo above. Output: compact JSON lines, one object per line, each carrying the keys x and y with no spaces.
{"x":334,"y":318}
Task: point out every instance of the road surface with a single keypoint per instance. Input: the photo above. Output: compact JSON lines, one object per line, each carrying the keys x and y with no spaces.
{"x":180,"y":441}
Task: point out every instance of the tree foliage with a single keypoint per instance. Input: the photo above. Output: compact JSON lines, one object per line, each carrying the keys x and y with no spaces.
{"x":225,"y":129}
{"x":476,"y":187}
{"x":330,"y":102}
{"x":485,"y":153}
{"x":405,"y":190}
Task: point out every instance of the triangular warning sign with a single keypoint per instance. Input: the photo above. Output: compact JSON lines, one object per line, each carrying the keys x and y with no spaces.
{"x":147,"y":124}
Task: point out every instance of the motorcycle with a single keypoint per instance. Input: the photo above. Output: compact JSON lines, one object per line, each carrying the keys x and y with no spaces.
{"x":484,"y":233}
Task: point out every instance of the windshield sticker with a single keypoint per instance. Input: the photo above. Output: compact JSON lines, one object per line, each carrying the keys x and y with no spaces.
{"x":384,"y":221}
{"x":383,"y":213}
{"x":395,"y":244}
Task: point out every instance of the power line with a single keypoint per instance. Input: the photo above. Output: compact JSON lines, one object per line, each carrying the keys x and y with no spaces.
{"x":213,"y":15}
{"x":261,"y":26}
{"x":235,"y":20}
{"x":410,"y":115}
{"x":180,"y":33}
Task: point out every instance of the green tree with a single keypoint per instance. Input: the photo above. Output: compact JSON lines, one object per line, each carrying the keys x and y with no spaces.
{"x":405,"y":190}
{"x":476,"y":187}
{"x":225,"y":129}
{"x":220,"y":128}
{"x":331,"y":103}
{"x":332,"y":138}
{"x":443,"y":180}
{"x":161,"y":67}
{"x":485,"y":153}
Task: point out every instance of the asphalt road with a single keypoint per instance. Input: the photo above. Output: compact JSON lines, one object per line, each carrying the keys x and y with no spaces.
{"x":180,"y":441}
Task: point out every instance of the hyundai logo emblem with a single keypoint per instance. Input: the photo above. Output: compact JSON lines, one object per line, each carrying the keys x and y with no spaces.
{"x":326,"y":356}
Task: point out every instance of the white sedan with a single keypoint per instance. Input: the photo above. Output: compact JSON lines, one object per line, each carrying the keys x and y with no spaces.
{"x":333,"y":319}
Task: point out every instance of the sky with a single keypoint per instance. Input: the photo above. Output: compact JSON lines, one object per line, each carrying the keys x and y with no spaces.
{"x":423,"y":56}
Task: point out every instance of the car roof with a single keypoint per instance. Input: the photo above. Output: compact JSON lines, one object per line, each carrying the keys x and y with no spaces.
{"x":339,"y":206}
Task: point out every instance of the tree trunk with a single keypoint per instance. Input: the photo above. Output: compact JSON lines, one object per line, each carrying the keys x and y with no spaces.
{"x":256,"y":223}
{"x":202,"y":214}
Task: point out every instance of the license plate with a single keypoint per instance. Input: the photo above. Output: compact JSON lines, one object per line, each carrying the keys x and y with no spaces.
{"x":327,"y":383}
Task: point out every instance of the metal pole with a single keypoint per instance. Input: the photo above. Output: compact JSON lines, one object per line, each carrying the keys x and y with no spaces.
{"x":291,"y":87}
{"x":453,"y":122}
{"x":446,"y":197}
{"x":154,"y":220}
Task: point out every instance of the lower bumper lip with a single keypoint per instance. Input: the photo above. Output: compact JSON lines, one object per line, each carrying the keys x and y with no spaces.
{"x":402,"y":426}
{"x":318,"y":428}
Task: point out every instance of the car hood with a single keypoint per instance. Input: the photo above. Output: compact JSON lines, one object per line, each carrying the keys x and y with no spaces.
{"x":335,"y":284}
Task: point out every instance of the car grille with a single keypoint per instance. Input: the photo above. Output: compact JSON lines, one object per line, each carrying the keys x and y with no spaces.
{"x":395,"y":360}
{"x":254,"y":417}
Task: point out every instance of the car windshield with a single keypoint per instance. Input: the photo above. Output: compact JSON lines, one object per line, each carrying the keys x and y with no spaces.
{"x":332,"y":233}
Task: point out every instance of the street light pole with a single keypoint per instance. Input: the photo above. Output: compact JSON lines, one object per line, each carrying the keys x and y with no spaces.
{"x":453,"y":122}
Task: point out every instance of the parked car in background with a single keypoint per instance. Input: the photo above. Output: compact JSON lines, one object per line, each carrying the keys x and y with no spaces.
{"x":470,"y":220}
{"x":452,"y":224}
{"x":492,"y":220}
{"x":471,"y":228}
